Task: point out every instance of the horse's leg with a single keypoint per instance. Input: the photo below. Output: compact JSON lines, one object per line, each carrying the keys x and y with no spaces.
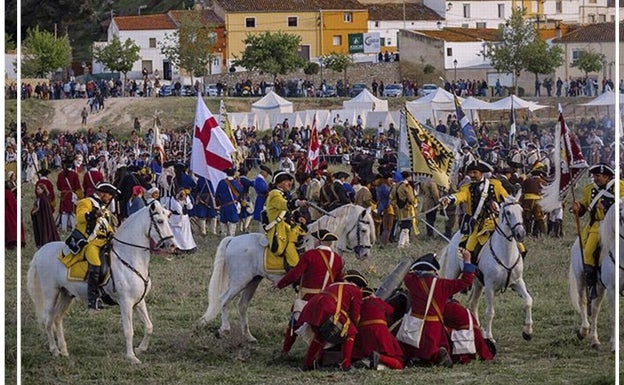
{"x":143,"y":315}
{"x":475,"y":296}
{"x":593,"y":325}
{"x":49,"y":322}
{"x":230,"y":293}
{"x":128,"y":329}
{"x":611,"y":296}
{"x":582,"y":303}
{"x":62,"y":305}
{"x":243,"y":304}
{"x":489,"y":313}
{"x":520,"y":288}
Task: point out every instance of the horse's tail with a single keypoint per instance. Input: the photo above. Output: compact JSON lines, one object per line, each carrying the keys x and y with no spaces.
{"x":34,"y":288}
{"x":218,"y":283}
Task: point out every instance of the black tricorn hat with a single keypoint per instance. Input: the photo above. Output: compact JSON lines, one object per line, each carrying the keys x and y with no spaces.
{"x":340,"y":175}
{"x":479,"y":165}
{"x":602,"y":168}
{"x":356,"y":277}
{"x":427,"y":262}
{"x":109,"y":188}
{"x":282,"y":176}
{"x":325,"y":235}
{"x":266,"y":169}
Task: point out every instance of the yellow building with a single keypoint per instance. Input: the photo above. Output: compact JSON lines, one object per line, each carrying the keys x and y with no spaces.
{"x":323,"y":25}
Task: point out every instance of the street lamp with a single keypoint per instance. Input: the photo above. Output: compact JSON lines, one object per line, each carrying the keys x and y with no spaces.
{"x":141,"y":7}
{"x":455,"y":67}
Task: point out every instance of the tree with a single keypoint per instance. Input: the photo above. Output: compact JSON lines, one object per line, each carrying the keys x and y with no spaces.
{"x":43,"y":53}
{"x":311,"y":68}
{"x":192,"y":46}
{"x":507,"y":55}
{"x":118,"y":56}
{"x":273,"y":53}
{"x":539,"y":58}
{"x":588,"y":61}
{"x":338,"y":62}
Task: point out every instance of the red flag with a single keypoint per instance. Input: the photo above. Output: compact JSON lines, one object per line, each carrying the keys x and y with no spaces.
{"x":210,"y":154}
{"x":313,"y":148}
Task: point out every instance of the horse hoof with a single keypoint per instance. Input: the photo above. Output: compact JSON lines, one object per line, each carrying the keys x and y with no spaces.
{"x":595,"y":346}
{"x":134,"y":360}
{"x":64,"y":353}
{"x":252,"y":340}
{"x":580,"y":334}
{"x":527,"y":336}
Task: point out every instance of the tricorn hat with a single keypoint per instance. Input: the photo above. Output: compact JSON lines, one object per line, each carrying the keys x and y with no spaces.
{"x":602,"y":168}
{"x":324,"y":235}
{"x":479,"y":165}
{"x":108,"y":188}
{"x":282,"y":176}
{"x":266,"y":169}
{"x":356,"y":277}
{"x":340,"y":175}
{"x":427,"y":262}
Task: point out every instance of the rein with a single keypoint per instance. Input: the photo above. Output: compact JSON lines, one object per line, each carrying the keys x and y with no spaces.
{"x":146,"y":281}
{"x":511,"y":227}
{"x":508,"y":238}
{"x":358,"y":227}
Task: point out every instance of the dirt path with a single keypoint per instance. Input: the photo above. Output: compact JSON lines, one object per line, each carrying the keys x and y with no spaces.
{"x":67,"y":113}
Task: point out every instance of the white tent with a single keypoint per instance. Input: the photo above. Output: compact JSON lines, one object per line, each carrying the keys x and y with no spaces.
{"x":518,"y":103}
{"x":472,"y":103}
{"x":428,"y":106}
{"x":372,"y":119}
{"x":365,"y":101}
{"x":271,"y":103}
{"x":605,"y":99}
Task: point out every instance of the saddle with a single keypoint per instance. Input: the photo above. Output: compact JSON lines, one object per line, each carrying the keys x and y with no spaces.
{"x":77,"y":265}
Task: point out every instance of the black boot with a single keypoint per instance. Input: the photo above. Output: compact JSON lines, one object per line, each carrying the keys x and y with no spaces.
{"x":591,"y":279}
{"x":93,"y":292}
{"x":559,"y":229}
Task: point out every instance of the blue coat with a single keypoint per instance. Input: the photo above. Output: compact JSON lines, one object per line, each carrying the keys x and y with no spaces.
{"x":247,"y":185}
{"x":226,"y":198}
{"x":262,"y":190}
{"x":204,"y":199}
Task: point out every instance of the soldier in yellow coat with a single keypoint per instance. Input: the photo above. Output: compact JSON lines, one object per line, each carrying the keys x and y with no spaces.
{"x":404,"y":201}
{"x":597,"y":198}
{"x":92,"y":232}
{"x":282,"y":230}
{"x":482,"y":197}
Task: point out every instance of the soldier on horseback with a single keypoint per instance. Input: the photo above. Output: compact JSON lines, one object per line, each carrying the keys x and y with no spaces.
{"x":482,"y":197}
{"x":597,"y":198}
{"x":92,"y":232}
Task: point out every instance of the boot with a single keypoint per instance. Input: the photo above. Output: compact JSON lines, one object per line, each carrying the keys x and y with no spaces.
{"x":64,"y":218}
{"x":93,"y":292}
{"x":551,"y":228}
{"x":403,"y":239}
{"x":559,"y":232}
{"x":232,"y":229}
{"x":202,"y":226}
{"x":591,"y":279}
{"x":224,"y":229}
{"x":213,"y":225}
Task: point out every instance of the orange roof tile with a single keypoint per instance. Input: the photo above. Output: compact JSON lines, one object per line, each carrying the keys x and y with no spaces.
{"x":144,"y":22}
{"x":413,"y":11}
{"x":600,"y":32}
{"x":208,"y":17}
{"x":287,"y":5}
{"x":464,"y":34}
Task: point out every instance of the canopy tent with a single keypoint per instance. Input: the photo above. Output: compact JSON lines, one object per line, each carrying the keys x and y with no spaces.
{"x":605,"y":99}
{"x":518,"y":103}
{"x":365,"y":101}
{"x":427,"y":107}
{"x":472,"y":103}
{"x":373,"y":119}
{"x":270,"y":103}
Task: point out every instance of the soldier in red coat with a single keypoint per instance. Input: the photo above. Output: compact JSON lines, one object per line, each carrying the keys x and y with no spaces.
{"x":434,"y":342}
{"x":317,"y":269}
{"x":91,"y":178}
{"x":323,"y":306}
{"x":374,"y":340}
{"x":68,"y":183}
{"x":47,"y":184}
{"x":456,"y":318}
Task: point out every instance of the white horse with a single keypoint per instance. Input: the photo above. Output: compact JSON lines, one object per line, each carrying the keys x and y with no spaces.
{"x":52,"y":292}
{"x":239,"y":262}
{"x":500,"y":263}
{"x":578,"y":286}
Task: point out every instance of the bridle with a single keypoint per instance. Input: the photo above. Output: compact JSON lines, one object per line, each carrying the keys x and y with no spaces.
{"x":358,"y":228}
{"x":162,"y":239}
{"x":508,"y":238}
{"x":511,"y":226}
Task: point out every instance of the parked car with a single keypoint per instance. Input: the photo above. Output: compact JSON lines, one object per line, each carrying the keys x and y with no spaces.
{"x":210,"y":90}
{"x":188,"y":90}
{"x":165,"y":90}
{"x":427,"y":89}
{"x":393,"y":90}
{"x":357,"y":88}
{"x":330,"y":91}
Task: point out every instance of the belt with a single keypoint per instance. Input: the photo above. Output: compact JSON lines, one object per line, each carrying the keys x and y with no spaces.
{"x":372,"y":322}
{"x":228,"y":203}
{"x":306,"y":290}
{"x":428,"y":318}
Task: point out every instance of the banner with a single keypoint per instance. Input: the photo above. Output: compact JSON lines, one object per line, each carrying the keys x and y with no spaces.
{"x":356,"y":43}
{"x":372,"y":42}
{"x":313,"y":148}
{"x":430,"y":158}
{"x":467,"y":130}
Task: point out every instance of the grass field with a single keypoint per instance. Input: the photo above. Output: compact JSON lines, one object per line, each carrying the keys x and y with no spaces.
{"x":183,"y":353}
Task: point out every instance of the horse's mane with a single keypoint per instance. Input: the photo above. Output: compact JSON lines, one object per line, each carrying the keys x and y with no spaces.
{"x":341,"y":218}
{"x":136,"y":220}
{"x":607,"y":227}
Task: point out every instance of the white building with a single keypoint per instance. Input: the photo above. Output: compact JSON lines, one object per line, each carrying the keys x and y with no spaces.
{"x":471,"y":14}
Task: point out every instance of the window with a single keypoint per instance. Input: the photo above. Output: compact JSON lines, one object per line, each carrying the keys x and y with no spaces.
{"x":348,"y":17}
{"x":293,"y":21}
{"x":591,"y":18}
{"x":337,"y":40}
{"x":376,"y":24}
{"x":152,"y":42}
{"x":147,"y":64}
{"x":449,"y":52}
{"x":467,"y":11}
{"x":481,"y":25}
{"x":575,"y":55}
{"x":501,"y":11}
{"x":559,"y":6}
{"x":465,"y":25}
{"x":602,"y":18}
{"x":250,"y":22}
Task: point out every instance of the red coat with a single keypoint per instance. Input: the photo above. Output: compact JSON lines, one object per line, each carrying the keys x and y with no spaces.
{"x":47,"y":184}
{"x":433,"y":335}
{"x":311,"y":270}
{"x":456,"y":317}
{"x":67,"y":182}
{"x":323,"y":305}
{"x":373,"y":333}
{"x":90,"y":179}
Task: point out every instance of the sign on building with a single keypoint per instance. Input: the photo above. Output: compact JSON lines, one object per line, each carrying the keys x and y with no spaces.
{"x":372,"y":42}
{"x":356,"y":43}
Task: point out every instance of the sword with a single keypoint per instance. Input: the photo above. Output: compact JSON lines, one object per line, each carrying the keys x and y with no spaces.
{"x":437,"y":231}
{"x":319,"y":209}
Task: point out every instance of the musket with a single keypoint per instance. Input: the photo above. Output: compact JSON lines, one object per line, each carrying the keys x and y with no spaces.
{"x":319,"y":209}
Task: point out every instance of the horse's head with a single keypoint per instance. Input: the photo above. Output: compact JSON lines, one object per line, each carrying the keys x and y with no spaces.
{"x":510,"y":218}
{"x":361,"y":236}
{"x":159,"y":230}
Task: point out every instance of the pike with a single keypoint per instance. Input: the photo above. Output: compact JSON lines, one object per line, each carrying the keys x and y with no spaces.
{"x":321,"y":210}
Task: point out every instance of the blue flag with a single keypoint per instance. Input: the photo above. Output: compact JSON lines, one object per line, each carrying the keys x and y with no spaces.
{"x":467,"y":130}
